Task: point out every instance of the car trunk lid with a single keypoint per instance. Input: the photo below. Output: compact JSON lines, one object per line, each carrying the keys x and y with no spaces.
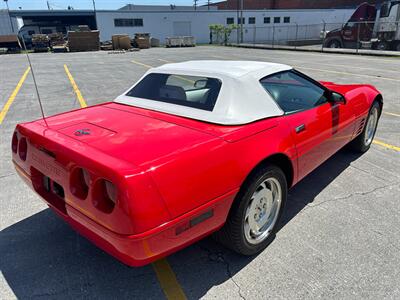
{"x":132,"y":137}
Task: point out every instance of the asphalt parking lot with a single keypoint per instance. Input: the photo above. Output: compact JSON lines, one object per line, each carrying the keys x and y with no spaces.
{"x":340,"y":237}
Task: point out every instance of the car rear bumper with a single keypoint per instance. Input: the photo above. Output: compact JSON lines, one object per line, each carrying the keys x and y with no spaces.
{"x":143,"y":248}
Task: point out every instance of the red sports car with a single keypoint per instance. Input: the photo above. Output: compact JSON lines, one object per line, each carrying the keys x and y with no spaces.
{"x":191,"y":149}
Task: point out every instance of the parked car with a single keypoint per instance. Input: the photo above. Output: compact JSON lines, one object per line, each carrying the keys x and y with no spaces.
{"x":191,"y":149}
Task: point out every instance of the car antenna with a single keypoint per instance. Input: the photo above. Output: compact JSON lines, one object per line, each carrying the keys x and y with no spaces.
{"x":34,"y":82}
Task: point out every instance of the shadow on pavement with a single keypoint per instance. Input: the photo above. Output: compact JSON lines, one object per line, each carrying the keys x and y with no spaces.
{"x":41,"y":256}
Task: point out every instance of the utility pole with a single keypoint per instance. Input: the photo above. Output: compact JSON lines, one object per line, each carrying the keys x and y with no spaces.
{"x":195,"y":4}
{"x":208,"y":4}
{"x":48,"y":5}
{"x":8,"y":10}
{"x":241,"y":21}
{"x":237,"y":18}
{"x":95,"y":15}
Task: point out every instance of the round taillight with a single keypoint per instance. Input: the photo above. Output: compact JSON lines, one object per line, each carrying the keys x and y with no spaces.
{"x":80,"y":182}
{"x":14,"y":142}
{"x":23,"y":149}
{"x":105,"y":195}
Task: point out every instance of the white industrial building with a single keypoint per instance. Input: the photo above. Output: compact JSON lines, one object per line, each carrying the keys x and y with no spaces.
{"x":166,"y":21}
{"x":162,"y":23}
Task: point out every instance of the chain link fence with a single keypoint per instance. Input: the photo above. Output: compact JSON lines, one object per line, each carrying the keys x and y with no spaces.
{"x":352,"y":36}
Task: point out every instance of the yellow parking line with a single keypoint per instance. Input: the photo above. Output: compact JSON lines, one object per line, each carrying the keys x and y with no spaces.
{"x":78,"y":93}
{"x":346,"y":73}
{"x":142,"y":64}
{"x":391,"y":114}
{"x":168,"y":281}
{"x":13,"y":95}
{"x":386,"y":145}
{"x":164,"y":60}
{"x":165,"y":275}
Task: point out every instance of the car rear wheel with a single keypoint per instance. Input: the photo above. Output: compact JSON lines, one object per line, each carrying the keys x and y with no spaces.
{"x":363,"y":142}
{"x":255,"y":213}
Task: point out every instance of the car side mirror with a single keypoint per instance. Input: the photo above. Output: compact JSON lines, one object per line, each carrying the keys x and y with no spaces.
{"x":337,"y":98}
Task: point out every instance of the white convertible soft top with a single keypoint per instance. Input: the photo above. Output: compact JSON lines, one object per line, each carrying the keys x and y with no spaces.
{"x":241,"y":99}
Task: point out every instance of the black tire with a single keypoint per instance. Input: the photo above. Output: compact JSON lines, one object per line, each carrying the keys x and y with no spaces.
{"x":334,"y":44}
{"x":232,"y":235}
{"x":382,"y":45}
{"x":360,"y":144}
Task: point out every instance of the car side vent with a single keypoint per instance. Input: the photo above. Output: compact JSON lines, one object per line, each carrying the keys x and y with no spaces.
{"x":361,"y":126}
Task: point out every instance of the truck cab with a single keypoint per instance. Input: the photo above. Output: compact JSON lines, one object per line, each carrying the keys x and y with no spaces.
{"x":377,"y":28}
{"x":359,"y":28}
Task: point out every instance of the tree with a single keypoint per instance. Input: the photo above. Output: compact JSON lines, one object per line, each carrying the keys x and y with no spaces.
{"x":221,"y":33}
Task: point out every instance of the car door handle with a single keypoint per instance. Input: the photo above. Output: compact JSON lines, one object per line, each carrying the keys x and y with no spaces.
{"x":300,"y":128}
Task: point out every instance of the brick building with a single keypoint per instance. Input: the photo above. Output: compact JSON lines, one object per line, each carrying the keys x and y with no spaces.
{"x":291,"y":4}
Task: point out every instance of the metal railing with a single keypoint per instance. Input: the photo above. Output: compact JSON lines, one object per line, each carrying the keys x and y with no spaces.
{"x":352,"y":36}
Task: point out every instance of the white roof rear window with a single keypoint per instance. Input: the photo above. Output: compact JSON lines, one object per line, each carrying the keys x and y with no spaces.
{"x":191,"y":91}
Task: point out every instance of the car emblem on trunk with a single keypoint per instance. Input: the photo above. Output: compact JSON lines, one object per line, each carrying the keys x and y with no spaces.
{"x":81,"y":132}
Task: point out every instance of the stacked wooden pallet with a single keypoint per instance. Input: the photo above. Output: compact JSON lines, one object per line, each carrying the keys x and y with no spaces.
{"x":142,"y":40}
{"x":56,"y":39}
{"x":40,"y":42}
{"x":83,"y":40}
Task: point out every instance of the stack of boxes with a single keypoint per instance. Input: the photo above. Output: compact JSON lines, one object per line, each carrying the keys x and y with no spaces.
{"x":121,"y":42}
{"x":142,"y":40}
{"x":83,"y":40}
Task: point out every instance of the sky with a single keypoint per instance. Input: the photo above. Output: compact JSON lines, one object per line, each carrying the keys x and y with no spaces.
{"x":87,"y":4}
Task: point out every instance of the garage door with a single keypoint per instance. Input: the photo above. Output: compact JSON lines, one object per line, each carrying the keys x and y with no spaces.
{"x":182,"y":28}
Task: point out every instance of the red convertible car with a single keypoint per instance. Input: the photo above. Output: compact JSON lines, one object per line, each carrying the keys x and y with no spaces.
{"x":191,"y":149}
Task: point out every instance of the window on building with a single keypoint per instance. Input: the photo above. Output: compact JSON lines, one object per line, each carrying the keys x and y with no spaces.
{"x":277,"y":20}
{"x":286,"y":20}
{"x":267,"y":20}
{"x":230,"y":21}
{"x":128,"y":22}
{"x":243,"y":19}
{"x":252,"y":20}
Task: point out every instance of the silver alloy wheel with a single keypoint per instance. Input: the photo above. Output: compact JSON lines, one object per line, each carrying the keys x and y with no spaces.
{"x":371,"y":126}
{"x":262,"y":211}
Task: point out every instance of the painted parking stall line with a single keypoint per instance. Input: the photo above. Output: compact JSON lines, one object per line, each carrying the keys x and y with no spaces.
{"x":14,"y":94}
{"x":166,"y":276}
{"x":141,"y":64}
{"x":167,"y":279}
{"x":391,"y":114}
{"x":78,"y":93}
{"x":385,"y":145}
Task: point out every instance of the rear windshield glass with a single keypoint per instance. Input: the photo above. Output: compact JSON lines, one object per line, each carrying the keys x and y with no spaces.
{"x":192,"y":91}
